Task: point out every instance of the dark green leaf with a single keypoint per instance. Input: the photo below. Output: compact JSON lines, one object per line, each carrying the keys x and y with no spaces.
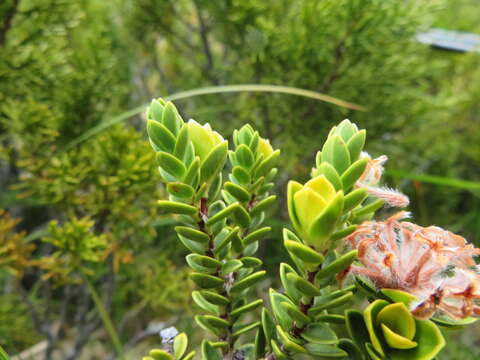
{"x":247,"y":281}
{"x":160,"y":137}
{"x":303,"y":285}
{"x":237,"y":191}
{"x":337,"y":265}
{"x":176,"y":207}
{"x":206,"y":281}
{"x":256,"y":235}
{"x":192,"y":234}
{"x":353,"y":173}
{"x":171,"y":164}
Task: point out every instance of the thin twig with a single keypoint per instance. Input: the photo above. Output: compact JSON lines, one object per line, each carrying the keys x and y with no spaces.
{"x":7,"y":22}
{"x":205,"y":42}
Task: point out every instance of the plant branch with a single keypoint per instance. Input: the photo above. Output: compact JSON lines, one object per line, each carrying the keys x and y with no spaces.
{"x":205,"y":42}
{"x":7,"y":22}
{"x":107,"y":321}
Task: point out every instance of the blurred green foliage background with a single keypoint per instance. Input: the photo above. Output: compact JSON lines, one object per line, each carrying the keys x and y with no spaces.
{"x":67,"y":66}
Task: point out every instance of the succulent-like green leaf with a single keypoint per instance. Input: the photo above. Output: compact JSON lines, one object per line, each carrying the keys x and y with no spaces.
{"x":192,"y":234}
{"x":268,"y":326}
{"x":171,"y":164}
{"x":330,"y":173}
{"x":206,"y":281}
{"x":279,"y":312}
{"x":331,"y":318}
{"x":328,"y":351}
{"x":260,"y":344}
{"x":161,"y":138}
{"x":222,"y":214}
{"x":398,"y":296}
{"x":182,"y":143}
{"x":303,"y":285}
{"x":292,"y":189}
{"x":357,"y":328}
{"x":192,"y":176}
{"x":224,"y":238}
{"x":176,"y":207}
{"x":251,"y":262}
{"x":369,"y":208}
{"x":279,"y":354}
{"x":453,"y":324}
{"x":215,"y":298}
{"x":366,"y":286}
{"x":170,"y":118}
{"x":347,"y":345}
{"x":340,"y":234}
{"x":395,"y":340}
{"x":242,"y":217}
{"x":256,"y":235}
{"x":353,"y":173}
{"x":155,"y":110}
{"x":215,"y":321}
{"x":237,"y":191}
{"x":180,"y":344}
{"x":247,"y":281}
{"x":430,"y":342}
{"x":295,"y":313}
{"x":209,"y":352}
{"x":370,"y":316}
{"x":180,"y":190}
{"x":398,"y":319}
{"x":241,"y":175}
{"x":325,"y":223}
{"x":244,"y":156}
{"x":189,"y":356}
{"x":289,"y":235}
{"x":254,"y":142}
{"x":231,"y":266}
{"x":288,"y":285}
{"x":330,"y":302}
{"x":354,"y":198}
{"x":304,"y":252}
{"x":246,"y":308}
{"x":288,"y":342}
{"x":203,"y":303}
{"x":341,"y":155}
{"x":319,"y":333}
{"x":203,"y":261}
{"x":267,"y":164}
{"x":356,"y":143}
{"x":193,"y":246}
{"x":372,"y":353}
{"x":158,"y":354}
{"x":262,"y":205}
{"x":345,"y":129}
{"x":214,"y":162}
{"x":337,"y":265}
{"x":207,"y":327}
{"x":245,"y":328}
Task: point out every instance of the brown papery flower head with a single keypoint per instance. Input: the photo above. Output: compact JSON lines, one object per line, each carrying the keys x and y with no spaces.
{"x":433,"y":264}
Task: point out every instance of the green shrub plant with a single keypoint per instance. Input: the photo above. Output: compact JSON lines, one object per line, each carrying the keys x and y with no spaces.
{"x":356,"y":288}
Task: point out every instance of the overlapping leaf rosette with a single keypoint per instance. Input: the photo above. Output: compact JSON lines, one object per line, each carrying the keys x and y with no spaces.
{"x":427,"y":273}
{"x":323,"y":211}
{"x":388,"y":330}
{"x":221,"y":221}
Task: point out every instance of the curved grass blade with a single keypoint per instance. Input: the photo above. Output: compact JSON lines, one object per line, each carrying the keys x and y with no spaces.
{"x":436,"y":180}
{"x":214,"y":90}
